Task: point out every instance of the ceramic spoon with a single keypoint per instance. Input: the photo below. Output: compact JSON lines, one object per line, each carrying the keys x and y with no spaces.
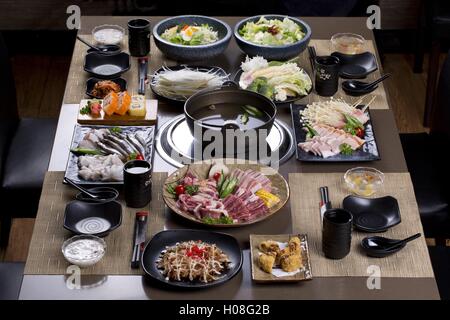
{"x":359,"y":87}
{"x":97,"y":195}
{"x":381,"y":247}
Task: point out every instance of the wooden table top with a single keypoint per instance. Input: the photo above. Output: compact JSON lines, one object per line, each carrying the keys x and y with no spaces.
{"x":241,"y":287}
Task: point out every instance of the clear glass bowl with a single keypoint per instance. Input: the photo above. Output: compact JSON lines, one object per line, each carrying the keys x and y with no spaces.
{"x":108,"y":34}
{"x":364,"y":181}
{"x":84,"y":250}
{"x":348,"y":43}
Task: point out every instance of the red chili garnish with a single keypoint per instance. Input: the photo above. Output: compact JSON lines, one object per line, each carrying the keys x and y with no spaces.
{"x":185,"y":27}
{"x":273,"y":30}
{"x":195,"y":252}
{"x":360,"y":132}
{"x":216,"y":176}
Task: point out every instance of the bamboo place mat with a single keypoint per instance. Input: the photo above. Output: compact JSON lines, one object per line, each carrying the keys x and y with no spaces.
{"x":411,"y":262}
{"x":76,"y":81}
{"x":45,"y":256}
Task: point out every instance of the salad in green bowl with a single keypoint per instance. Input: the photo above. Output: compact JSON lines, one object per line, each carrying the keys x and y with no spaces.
{"x":190,"y":35}
{"x":273,"y":32}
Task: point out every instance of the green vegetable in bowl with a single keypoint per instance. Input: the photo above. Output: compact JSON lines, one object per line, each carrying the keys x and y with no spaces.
{"x":273,"y":32}
{"x":261,"y":86}
{"x":190,"y":35}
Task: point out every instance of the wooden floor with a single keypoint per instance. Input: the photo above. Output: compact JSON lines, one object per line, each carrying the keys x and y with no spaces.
{"x":40,"y":82}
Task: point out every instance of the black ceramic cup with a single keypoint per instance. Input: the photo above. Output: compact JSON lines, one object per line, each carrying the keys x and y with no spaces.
{"x":137,"y":183}
{"x":326,"y":75}
{"x":336,"y":233}
{"x":139,"y":37}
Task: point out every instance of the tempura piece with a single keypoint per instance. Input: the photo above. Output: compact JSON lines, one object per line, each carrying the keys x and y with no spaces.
{"x":269,"y":246}
{"x":266,"y":262}
{"x":291,"y":262}
{"x":294,"y":246}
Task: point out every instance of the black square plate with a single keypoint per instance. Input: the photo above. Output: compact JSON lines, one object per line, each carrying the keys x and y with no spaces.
{"x":356,"y":66}
{"x":97,"y":219}
{"x":106,"y":66}
{"x":368,"y":152}
{"x":373,"y":215}
{"x":160,"y":241}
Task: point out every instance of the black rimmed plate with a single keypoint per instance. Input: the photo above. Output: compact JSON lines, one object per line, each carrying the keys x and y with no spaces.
{"x":78,"y":135}
{"x":163,"y":239}
{"x":368,"y":152}
{"x":179,"y":67}
{"x":373,"y":215}
{"x":238,"y":75}
{"x":90,"y":83}
{"x":97,"y":219}
{"x":106,"y":66}
{"x":356,"y":66}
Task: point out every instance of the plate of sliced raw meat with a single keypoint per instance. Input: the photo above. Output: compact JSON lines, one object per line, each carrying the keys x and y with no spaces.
{"x":225,"y":192}
{"x":334,"y":131}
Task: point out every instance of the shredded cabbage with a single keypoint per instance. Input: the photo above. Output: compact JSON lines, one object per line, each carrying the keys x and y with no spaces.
{"x":287,"y":79}
{"x":272,"y":32}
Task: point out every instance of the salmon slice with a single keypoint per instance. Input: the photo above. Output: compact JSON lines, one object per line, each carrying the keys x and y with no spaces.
{"x":124,"y":103}
{"x":110,"y":103}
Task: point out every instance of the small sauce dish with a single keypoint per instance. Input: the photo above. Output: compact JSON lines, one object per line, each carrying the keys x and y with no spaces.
{"x":84,"y":250}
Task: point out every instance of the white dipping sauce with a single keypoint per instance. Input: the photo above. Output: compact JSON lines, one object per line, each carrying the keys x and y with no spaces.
{"x":137,"y":170}
{"x":84,"y":250}
{"x":110,"y":36}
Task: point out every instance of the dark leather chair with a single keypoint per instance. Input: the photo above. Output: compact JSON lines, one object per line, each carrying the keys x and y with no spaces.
{"x":434,"y":24}
{"x":440,"y":259}
{"x":426,"y":156}
{"x":11,"y":275}
{"x":25,"y":147}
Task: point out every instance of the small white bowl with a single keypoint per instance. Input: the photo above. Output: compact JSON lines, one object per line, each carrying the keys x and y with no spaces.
{"x":84,"y":250}
{"x":108,"y":34}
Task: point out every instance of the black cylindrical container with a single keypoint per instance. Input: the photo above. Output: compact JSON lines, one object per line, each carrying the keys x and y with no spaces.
{"x":139,"y":37}
{"x":326,"y":75}
{"x":137,"y":183}
{"x":337,"y":233}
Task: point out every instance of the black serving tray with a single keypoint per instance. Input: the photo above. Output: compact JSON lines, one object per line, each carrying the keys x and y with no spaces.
{"x":368,"y":152}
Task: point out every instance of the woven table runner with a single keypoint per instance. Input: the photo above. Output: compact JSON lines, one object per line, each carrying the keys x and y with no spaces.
{"x":45,"y":256}
{"x":411,"y":262}
{"x":76,"y":81}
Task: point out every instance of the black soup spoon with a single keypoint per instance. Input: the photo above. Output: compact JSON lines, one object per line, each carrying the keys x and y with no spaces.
{"x":359,"y":87}
{"x":381,"y":247}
